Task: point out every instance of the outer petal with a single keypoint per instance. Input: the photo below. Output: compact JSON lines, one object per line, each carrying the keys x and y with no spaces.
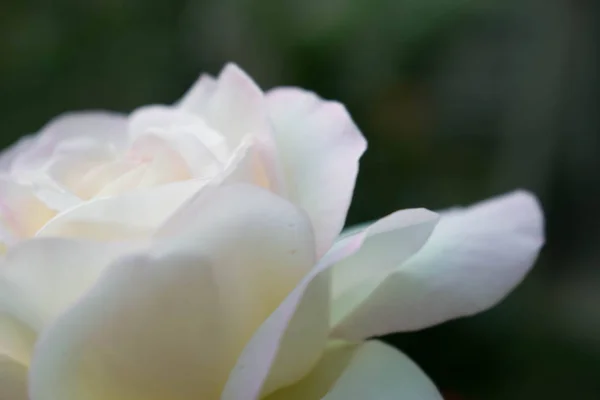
{"x":291,"y":340}
{"x":274,"y":250}
{"x":474,"y":257}
{"x":16,"y":338}
{"x":40,"y":278}
{"x":172,"y":324}
{"x":13,"y":379}
{"x":387,"y":244}
{"x":371,"y":370}
{"x":147,"y":331}
{"x":319,"y":147}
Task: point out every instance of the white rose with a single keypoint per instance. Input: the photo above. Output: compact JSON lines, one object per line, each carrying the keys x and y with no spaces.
{"x":193,"y":252}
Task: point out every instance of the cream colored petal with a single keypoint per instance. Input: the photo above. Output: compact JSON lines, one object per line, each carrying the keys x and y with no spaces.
{"x":16,"y":338}
{"x":197,"y":158}
{"x":40,"y":278}
{"x":66,"y":137}
{"x":319,"y":146}
{"x":178,"y":127}
{"x":135,"y":214}
{"x":473,"y":258}
{"x":251,"y":163}
{"x":171,"y":325}
{"x":149,"y":330}
{"x":261,"y":265}
{"x":13,"y":379}
{"x":97,"y":178}
{"x":371,"y":370}
{"x":291,"y":340}
{"x":237,"y":109}
{"x":72,"y":132}
{"x":22,"y":214}
{"x":158,"y":164}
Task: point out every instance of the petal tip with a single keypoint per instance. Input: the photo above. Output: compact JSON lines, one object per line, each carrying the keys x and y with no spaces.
{"x":527,"y":205}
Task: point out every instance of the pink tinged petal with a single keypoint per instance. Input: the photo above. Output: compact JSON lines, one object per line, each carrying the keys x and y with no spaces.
{"x":237,"y":106}
{"x":8,"y":155}
{"x":473,"y":259}
{"x":158,"y":164}
{"x":238,"y":110}
{"x":73,"y":132}
{"x":66,"y":136}
{"x":291,"y":340}
{"x":196,"y":98}
{"x":187,"y":133}
{"x":171,"y":324}
{"x":370,"y":370}
{"x":186,"y":153}
{"x":131,"y":215}
{"x":42,"y":277}
{"x":319,"y":146}
{"x":13,"y":379}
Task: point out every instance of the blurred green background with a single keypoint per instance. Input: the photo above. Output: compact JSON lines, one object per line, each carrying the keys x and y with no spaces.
{"x":460,"y":100}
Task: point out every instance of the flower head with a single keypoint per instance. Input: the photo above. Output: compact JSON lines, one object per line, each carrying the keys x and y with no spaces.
{"x":194,"y":251}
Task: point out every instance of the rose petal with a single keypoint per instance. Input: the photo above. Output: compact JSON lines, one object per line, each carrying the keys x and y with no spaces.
{"x":22,"y":214}
{"x":371,"y":370}
{"x":473,"y":258}
{"x":16,"y":339}
{"x":41,"y":277}
{"x":292,"y":339}
{"x":187,"y":133}
{"x":252,"y":163}
{"x":68,"y":135}
{"x":297,"y":328}
{"x":72,"y":132}
{"x":13,"y":379}
{"x":196,"y":98}
{"x":237,"y":107}
{"x":131,"y":215}
{"x":148,"y":330}
{"x":319,"y":146}
{"x":387,"y":244}
{"x":267,"y":263}
{"x":9,"y":154}
{"x":189,"y":307}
